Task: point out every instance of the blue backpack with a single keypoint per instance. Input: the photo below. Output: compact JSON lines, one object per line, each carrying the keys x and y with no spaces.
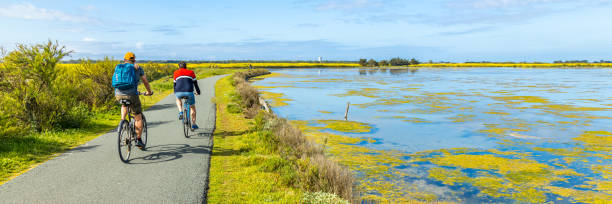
{"x":125,"y":76}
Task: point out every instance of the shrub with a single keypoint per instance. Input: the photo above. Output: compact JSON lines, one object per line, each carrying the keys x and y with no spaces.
{"x":249,"y":96}
{"x":94,"y":81}
{"x":32,"y":72}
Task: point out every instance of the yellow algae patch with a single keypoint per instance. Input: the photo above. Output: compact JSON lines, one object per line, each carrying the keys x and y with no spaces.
{"x":346,"y":126}
{"x":491,"y":186}
{"x":466,"y":108}
{"x":462,"y":118}
{"x":304,"y":125}
{"x":604,"y":170}
{"x":521,"y":179}
{"x":576,"y":152}
{"x":494,"y":129}
{"x":521,"y":99}
{"x":444,"y":93}
{"x":589,"y":99}
{"x":365,"y":92}
{"x":392,"y":117}
{"x":325,"y":80}
{"x":497,"y":113}
{"x":409,"y":89}
{"x":277,"y":98}
{"x":447,"y":176}
{"x":513,"y":153}
{"x":580,"y":196}
{"x":596,"y":140}
{"x":273,"y":74}
{"x":546,"y":123}
{"x":490,"y":162}
{"x":606,"y":173}
{"x":416,"y":120}
{"x":326,"y":112}
{"x":570,"y":108}
{"x":271,"y":87}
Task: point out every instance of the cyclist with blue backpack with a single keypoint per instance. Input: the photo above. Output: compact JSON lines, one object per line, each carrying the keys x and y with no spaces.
{"x":184,"y":83}
{"x":125,"y":81}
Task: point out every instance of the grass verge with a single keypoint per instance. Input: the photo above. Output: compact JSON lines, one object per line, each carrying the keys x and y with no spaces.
{"x":242,"y":168}
{"x":20,"y":153}
{"x":260,"y":158}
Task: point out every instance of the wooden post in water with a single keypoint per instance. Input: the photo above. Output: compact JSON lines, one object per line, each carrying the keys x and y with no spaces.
{"x":348,"y":104}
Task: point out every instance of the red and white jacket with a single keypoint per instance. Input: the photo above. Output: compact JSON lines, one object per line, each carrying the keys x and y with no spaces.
{"x":185,"y":81}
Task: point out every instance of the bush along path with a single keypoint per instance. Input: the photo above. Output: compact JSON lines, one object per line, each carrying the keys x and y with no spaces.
{"x":258,"y":157}
{"x":173,"y":169}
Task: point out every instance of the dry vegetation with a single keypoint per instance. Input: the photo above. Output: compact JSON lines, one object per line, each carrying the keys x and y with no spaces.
{"x":315,"y":172}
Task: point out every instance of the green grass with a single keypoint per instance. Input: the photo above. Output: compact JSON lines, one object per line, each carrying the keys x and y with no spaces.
{"x":20,"y":153}
{"x":245,"y":167}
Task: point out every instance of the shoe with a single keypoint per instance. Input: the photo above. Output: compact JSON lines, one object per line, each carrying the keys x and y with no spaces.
{"x":195,"y":127}
{"x":180,"y":115}
{"x":139,"y":143}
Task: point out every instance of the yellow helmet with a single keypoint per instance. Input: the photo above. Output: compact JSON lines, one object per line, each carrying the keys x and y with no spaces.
{"x":129,"y":56}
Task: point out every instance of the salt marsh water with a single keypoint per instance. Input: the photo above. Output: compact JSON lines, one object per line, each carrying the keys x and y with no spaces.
{"x":458,"y":135}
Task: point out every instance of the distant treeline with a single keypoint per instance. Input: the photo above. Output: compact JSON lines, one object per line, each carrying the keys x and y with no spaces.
{"x":392,"y":62}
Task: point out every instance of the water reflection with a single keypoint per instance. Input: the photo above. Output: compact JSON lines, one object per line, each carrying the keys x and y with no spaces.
{"x":391,"y":71}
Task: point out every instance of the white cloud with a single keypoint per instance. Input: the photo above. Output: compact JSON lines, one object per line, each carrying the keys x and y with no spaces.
{"x":88,"y":39}
{"x":88,"y":8}
{"x":31,"y":12}
{"x":139,"y":45}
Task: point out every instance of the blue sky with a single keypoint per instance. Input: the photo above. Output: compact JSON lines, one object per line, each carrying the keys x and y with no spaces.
{"x":439,"y":30}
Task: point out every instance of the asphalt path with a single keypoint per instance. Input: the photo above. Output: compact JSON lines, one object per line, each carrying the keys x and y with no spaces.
{"x":173,"y":169}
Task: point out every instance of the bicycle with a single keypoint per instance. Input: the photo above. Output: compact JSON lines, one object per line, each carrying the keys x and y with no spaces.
{"x":127,"y":132}
{"x":186,"y":117}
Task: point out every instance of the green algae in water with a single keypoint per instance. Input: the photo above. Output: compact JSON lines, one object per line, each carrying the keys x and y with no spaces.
{"x":547,"y":135}
{"x":346,"y":126}
{"x":278,"y":99}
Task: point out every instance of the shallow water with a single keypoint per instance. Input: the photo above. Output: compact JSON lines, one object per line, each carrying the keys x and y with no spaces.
{"x":459,"y":135}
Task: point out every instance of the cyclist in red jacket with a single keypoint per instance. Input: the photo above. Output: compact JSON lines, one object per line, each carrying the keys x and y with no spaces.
{"x":184,"y":83}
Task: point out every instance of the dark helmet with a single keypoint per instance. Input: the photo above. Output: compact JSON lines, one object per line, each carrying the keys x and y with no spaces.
{"x":182,"y":65}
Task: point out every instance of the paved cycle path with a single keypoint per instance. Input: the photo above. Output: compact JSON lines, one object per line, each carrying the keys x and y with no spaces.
{"x":174,"y":169}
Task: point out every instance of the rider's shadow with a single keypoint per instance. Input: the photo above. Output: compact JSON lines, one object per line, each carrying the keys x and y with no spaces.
{"x":203,"y":133}
{"x":169,"y":152}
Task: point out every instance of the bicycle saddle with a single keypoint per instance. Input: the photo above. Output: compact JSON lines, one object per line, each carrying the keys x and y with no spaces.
{"x":125,"y":102}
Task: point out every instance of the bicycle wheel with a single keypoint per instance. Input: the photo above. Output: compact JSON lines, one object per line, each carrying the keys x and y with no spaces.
{"x":144,"y":135}
{"x":186,"y":119}
{"x":124,"y":141}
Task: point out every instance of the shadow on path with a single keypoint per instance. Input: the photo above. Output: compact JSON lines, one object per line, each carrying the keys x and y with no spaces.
{"x":84,"y":148}
{"x":160,"y":107}
{"x":169,"y":152}
{"x":157,"y":123}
